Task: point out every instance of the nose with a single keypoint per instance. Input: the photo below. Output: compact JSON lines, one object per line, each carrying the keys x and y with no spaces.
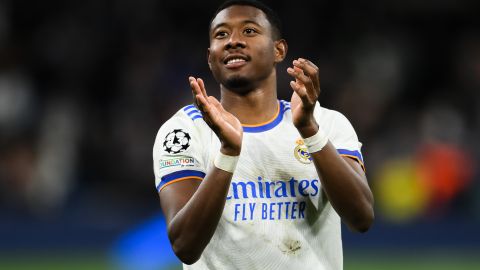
{"x":235,"y":41}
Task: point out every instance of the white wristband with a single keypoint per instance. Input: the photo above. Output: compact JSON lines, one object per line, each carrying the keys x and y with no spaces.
{"x":226,"y":163}
{"x":316,"y":142}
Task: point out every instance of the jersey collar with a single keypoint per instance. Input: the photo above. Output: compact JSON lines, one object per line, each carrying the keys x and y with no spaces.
{"x":282,"y":107}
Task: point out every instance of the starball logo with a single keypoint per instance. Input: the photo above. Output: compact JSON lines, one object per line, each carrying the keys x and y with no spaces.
{"x":271,"y":199}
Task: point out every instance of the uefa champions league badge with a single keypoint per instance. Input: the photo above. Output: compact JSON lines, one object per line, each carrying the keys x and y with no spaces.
{"x":176,"y":141}
{"x":301,"y":152}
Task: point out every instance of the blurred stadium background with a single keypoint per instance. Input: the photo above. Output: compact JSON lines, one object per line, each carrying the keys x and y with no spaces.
{"x":85,"y":85}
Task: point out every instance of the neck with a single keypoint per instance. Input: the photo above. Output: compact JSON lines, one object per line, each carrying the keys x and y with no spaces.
{"x":254,"y":107}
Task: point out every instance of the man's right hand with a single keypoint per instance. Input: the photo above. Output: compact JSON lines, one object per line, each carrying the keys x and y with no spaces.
{"x":227,"y":127}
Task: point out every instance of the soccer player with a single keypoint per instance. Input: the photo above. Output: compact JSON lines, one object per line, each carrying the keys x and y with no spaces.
{"x":250,"y":181}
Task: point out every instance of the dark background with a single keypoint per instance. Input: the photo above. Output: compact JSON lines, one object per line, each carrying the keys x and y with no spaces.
{"x":85,"y":85}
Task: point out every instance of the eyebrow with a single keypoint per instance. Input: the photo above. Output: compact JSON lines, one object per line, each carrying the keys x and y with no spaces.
{"x":243,"y":22}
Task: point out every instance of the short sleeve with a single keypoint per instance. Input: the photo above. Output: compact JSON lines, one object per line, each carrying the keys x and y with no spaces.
{"x":341,"y":133}
{"x":178,"y":151}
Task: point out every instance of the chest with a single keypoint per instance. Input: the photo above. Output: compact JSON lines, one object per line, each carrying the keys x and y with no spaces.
{"x":275,"y":179}
{"x":279,"y":154}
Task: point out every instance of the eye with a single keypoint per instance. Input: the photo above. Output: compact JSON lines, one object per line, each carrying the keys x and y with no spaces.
{"x":250,"y":31}
{"x":220,"y":34}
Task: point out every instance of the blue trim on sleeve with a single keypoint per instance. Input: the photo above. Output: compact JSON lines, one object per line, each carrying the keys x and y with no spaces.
{"x":354,"y":153}
{"x":284,"y":106}
{"x":179,"y":174}
{"x":192,"y":112}
{"x":191,"y":106}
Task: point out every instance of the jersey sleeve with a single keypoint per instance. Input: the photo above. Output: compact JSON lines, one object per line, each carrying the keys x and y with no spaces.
{"x":178,"y":152}
{"x":341,"y":134}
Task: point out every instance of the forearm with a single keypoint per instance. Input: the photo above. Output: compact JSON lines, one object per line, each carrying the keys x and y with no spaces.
{"x":345,"y":184}
{"x":346,"y":189}
{"x":193,"y":210}
{"x":191,"y":229}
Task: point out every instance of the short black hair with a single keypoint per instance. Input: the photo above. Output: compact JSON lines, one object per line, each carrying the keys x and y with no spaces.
{"x":271,"y":15}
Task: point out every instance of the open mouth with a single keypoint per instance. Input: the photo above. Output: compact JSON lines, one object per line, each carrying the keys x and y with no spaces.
{"x":235,"y":61}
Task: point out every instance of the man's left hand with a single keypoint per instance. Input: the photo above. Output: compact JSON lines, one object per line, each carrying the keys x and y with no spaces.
{"x":306,"y":89}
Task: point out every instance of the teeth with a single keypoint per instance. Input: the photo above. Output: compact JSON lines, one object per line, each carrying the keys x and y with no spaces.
{"x":235,"y":60}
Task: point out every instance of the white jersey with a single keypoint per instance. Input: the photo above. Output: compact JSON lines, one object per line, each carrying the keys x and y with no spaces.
{"x":276,"y":215}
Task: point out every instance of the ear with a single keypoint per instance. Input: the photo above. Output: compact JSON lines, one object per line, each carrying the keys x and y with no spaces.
{"x":208,"y":59}
{"x":281,"y":48}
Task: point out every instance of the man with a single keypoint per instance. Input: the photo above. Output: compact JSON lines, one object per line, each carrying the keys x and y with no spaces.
{"x":251,"y":182}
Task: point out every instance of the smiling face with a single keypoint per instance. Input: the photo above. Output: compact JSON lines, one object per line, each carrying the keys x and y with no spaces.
{"x":242,"y":51}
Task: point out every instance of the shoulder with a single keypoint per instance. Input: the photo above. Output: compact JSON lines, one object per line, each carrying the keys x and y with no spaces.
{"x":186,"y":122}
{"x":337,"y":126}
{"x":340,"y":132}
{"x":188,"y":117}
{"x":179,"y":149}
{"x":190,"y":111}
{"x":330,"y":117}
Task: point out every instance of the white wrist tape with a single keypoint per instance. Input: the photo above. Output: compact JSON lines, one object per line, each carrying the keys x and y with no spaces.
{"x":316,"y":142}
{"x":226,"y":163}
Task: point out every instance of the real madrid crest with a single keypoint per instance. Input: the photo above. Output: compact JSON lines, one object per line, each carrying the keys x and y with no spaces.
{"x":301,"y":152}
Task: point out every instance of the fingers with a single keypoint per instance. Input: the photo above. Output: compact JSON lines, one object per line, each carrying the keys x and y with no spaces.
{"x":202,"y":103}
{"x":215,"y":110}
{"x":303,"y":85}
{"x":216,"y":103}
{"x":208,"y":105}
{"x":194,"y":85}
{"x":209,"y":111}
{"x":307,"y":73}
{"x":202,"y":87}
{"x":301,"y":91}
{"x":198,"y":90}
{"x":198,"y":87}
{"x":300,"y":76}
{"x":310,"y":69}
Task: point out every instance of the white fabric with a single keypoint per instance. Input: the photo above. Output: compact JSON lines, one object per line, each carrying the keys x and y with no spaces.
{"x":226,"y":163}
{"x":276,"y":215}
{"x":316,"y":142}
